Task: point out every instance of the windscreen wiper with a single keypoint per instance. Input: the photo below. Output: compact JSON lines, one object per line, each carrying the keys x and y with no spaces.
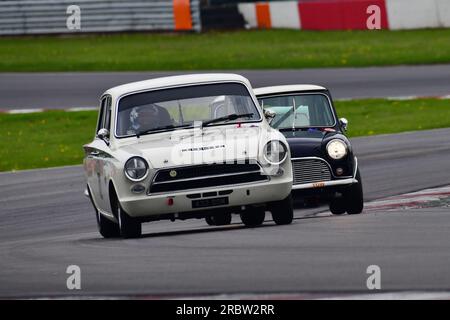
{"x":170,"y":126}
{"x":229,"y":117}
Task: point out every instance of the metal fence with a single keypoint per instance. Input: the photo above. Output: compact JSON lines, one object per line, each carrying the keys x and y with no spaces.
{"x":22,"y":17}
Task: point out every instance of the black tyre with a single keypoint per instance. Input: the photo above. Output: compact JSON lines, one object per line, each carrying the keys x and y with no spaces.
{"x":282,"y":211}
{"x":337,"y":206}
{"x":253,"y":216}
{"x":354,"y":197}
{"x":106,"y":227}
{"x":209,"y":220}
{"x":129,"y":227}
{"x":219,"y":219}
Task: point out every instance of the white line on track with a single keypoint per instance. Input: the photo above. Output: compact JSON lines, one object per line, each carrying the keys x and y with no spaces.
{"x":77,"y":109}
{"x":18,"y":111}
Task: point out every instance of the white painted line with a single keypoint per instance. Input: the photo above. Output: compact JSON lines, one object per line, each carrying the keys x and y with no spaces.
{"x":345,"y":99}
{"x":81,"y":109}
{"x":402,"y":98}
{"x":394,"y":296}
{"x":18,"y":111}
{"x":403,"y":295}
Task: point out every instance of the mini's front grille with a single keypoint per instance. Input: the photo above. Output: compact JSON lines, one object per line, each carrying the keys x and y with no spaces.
{"x":175,"y":174}
{"x":310,"y":171}
{"x":205,"y":176}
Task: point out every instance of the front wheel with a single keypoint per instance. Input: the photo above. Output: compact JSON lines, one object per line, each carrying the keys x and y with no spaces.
{"x":282,"y":211}
{"x":253,"y":216}
{"x":106,"y":227}
{"x":129,"y":227}
{"x":354,"y":197}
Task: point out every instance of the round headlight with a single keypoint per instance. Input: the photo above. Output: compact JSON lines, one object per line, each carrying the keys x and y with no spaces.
{"x":337,"y":149}
{"x":136,"y":169}
{"x":275,"y":152}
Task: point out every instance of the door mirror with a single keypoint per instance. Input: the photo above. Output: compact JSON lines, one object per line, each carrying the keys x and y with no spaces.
{"x":269,"y":115}
{"x":104,"y":135}
{"x":344,"y":123}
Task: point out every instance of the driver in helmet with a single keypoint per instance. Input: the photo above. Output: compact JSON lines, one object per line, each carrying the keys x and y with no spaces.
{"x":144,"y":118}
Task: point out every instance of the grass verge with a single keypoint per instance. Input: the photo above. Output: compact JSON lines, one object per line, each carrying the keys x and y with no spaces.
{"x":55,"y":138}
{"x":257,"y":49}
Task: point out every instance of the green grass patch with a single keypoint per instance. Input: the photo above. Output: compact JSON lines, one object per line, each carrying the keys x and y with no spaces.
{"x":47,"y":139}
{"x":55,"y":138}
{"x":257,"y":49}
{"x":379,"y":116}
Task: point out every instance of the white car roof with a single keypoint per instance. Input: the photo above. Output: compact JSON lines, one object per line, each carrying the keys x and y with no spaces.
{"x":288,"y":88}
{"x":172,"y":81}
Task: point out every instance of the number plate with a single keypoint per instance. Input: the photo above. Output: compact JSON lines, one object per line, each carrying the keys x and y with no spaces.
{"x":209,"y":202}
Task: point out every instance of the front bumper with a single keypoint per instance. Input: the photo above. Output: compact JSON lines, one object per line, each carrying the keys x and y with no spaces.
{"x":325,"y":184}
{"x":246,"y":194}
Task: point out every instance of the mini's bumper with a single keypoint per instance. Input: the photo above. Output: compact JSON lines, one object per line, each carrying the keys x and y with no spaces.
{"x":325,"y":184}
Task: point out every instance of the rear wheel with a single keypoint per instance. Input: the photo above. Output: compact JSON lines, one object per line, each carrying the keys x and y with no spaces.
{"x":106,"y":227}
{"x":209,"y":220}
{"x":219,"y":219}
{"x":282,"y":211}
{"x":253,"y":216}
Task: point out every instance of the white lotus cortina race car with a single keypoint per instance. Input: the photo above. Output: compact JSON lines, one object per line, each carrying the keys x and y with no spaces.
{"x":193,"y":146}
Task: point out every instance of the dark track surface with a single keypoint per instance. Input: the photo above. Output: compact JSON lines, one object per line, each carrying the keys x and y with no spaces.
{"x":47,"y":224}
{"x":82,"y":89}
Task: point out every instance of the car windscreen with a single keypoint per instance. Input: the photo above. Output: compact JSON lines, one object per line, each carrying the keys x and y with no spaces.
{"x":169,"y":109}
{"x":299,"y":111}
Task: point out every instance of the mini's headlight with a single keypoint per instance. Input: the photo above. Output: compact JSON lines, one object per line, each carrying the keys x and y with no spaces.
{"x":275,"y":152}
{"x":136,"y":169}
{"x":337,"y":149}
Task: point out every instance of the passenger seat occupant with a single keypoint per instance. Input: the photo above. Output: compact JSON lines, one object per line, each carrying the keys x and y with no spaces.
{"x":148,"y":117}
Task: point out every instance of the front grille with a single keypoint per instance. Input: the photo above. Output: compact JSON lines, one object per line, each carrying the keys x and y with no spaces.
{"x":310,"y":171}
{"x":204,"y":176}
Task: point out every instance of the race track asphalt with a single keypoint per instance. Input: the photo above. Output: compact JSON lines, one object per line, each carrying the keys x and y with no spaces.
{"x":83,"y":89}
{"x":47,"y":224}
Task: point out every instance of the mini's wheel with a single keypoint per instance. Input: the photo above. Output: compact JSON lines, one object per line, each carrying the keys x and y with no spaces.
{"x":219,"y":219}
{"x":282,"y":211}
{"x":354,"y":199}
{"x":106,"y":227}
{"x":253,"y":216}
{"x":129,"y":227}
{"x":337,"y":206}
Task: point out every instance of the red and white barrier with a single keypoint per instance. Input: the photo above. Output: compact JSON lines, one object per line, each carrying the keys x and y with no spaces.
{"x":412,"y":14}
{"x":443,"y":9}
{"x":347,"y":14}
{"x":284,"y":14}
{"x":339,"y":15}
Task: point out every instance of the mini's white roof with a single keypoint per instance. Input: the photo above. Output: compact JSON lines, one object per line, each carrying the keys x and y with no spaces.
{"x":288,"y":88}
{"x":171,"y":81}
